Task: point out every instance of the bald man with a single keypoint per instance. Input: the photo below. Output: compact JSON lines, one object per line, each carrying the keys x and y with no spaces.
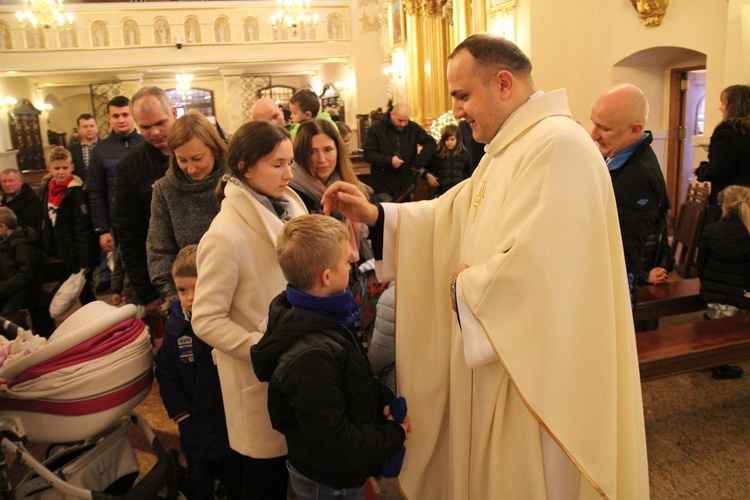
{"x":266,"y":108}
{"x":618,"y":118}
{"x":391,"y":150}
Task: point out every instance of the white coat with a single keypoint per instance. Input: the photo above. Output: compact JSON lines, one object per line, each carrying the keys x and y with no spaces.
{"x":238,"y":276}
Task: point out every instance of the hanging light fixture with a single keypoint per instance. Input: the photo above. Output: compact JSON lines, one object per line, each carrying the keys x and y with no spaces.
{"x":45,"y":14}
{"x":293,"y":14}
{"x":184,"y":84}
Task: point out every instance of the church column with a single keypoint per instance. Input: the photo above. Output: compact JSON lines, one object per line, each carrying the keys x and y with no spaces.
{"x":427,"y":47}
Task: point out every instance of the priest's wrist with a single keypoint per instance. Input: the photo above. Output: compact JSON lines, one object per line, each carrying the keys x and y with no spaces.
{"x":453,"y":292}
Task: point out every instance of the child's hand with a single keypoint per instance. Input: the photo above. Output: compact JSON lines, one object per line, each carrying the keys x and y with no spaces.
{"x":406,"y":426}
{"x":432,"y":180}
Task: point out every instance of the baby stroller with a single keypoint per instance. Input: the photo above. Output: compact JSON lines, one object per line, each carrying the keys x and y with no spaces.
{"x":77,"y":392}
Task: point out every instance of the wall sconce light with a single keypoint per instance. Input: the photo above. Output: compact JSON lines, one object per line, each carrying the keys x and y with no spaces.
{"x":8,"y":102}
{"x":391,"y":71}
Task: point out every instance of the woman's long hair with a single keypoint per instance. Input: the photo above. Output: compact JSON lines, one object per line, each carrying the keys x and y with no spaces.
{"x":737,"y":105}
{"x":303,"y":151}
{"x":734,"y":203}
{"x":194,"y":125}
{"x":450,"y":130}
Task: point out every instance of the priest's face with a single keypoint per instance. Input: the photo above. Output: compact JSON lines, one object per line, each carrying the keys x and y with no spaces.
{"x":478,"y":95}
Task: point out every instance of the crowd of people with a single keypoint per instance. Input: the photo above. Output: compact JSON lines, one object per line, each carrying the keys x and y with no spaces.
{"x":256,"y":259}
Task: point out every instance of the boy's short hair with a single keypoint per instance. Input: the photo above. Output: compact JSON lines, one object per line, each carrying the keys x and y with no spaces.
{"x":58,"y":153}
{"x":307,"y":100}
{"x":307,"y":246}
{"x":184,"y":264}
{"x":8,"y":218}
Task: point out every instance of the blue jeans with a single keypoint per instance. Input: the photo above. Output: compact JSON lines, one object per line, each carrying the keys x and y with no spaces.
{"x":307,"y":489}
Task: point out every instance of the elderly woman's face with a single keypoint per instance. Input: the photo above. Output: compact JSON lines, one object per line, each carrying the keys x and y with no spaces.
{"x":323,"y":156}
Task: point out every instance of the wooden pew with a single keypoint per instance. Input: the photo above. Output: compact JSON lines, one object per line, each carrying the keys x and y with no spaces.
{"x":674,"y":297}
{"x":694,"y":346}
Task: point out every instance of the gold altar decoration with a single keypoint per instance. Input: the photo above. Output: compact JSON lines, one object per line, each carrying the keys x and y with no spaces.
{"x":651,"y":11}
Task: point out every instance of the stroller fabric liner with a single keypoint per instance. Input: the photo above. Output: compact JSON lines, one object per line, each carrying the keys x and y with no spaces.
{"x":94,"y":369}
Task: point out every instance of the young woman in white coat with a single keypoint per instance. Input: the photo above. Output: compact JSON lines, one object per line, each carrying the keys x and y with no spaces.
{"x":238,"y":276}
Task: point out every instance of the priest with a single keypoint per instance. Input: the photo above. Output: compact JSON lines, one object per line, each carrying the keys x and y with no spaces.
{"x":514,"y":336}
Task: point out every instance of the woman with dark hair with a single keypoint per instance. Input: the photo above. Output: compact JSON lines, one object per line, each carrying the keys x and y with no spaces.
{"x":183,"y":202}
{"x":238,"y":276}
{"x":319,"y":161}
{"x":729,"y":150}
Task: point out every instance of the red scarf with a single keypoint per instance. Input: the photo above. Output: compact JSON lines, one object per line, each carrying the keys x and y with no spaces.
{"x":57,"y":191}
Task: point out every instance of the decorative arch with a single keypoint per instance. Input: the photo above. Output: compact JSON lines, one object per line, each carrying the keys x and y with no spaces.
{"x":99,"y":34}
{"x":35,"y":38}
{"x":221,"y":30}
{"x":335,"y":23}
{"x":251,"y":29}
{"x":6,"y":42}
{"x":162,"y":31}
{"x":131,"y":34}
{"x":279,"y":93}
{"x":192,"y":30}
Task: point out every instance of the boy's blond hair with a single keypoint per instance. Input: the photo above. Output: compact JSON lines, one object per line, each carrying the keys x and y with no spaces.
{"x":184,"y":264}
{"x":307,"y":246}
{"x":58,"y":153}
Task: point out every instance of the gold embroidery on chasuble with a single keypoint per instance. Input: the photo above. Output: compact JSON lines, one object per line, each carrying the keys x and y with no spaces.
{"x":479,"y":198}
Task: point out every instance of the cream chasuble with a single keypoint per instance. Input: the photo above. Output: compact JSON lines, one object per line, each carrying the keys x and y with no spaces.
{"x":546,"y":284}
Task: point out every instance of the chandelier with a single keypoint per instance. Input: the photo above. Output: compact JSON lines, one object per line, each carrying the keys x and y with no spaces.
{"x":184,"y":84}
{"x":44,"y":13}
{"x":293,"y":14}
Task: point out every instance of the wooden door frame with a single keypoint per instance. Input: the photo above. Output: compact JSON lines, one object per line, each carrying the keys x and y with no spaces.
{"x":674,"y":151}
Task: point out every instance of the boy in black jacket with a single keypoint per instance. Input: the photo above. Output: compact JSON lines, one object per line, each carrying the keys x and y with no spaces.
{"x":67,"y":231}
{"x":322,"y":393}
{"x":189,"y":387}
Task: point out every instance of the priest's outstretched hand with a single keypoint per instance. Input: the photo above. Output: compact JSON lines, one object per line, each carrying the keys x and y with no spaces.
{"x":350,"y":201}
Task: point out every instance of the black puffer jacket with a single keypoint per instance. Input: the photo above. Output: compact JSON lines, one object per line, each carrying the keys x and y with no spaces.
{"x":450,"y":170}
{"x":28,"y":208}
{"x":189,"y":384}
{"x":72,"y":237}
{"x":641,"y":195}
{"x":728,"y":163}
{"x":20,"y":267}
{"x":323,"y":397}
{"x":724,"y":263}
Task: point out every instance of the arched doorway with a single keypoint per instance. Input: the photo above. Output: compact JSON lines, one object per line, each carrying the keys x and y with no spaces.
{"x":673,"y":79}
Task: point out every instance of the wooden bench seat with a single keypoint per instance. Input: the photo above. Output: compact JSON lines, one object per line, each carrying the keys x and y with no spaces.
{"x":684,"y":348}
{"x":674,"y":297}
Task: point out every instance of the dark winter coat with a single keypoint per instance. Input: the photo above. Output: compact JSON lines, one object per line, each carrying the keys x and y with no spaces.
{"x":641,"y":195}
{"x":79,"y":164}
{"x":728,"y":164}
{"x":383,"y":141}
{"x":450,"y":170}
{"x":72,"y":237}
{"x":136,"y":173}
{"x":189,"y":384}
{"x":28,"y":208}
{"x":323,"y":397}
{"x":724,"y":263}
{"x":100,"y":180}
{"x":20,"y":268}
